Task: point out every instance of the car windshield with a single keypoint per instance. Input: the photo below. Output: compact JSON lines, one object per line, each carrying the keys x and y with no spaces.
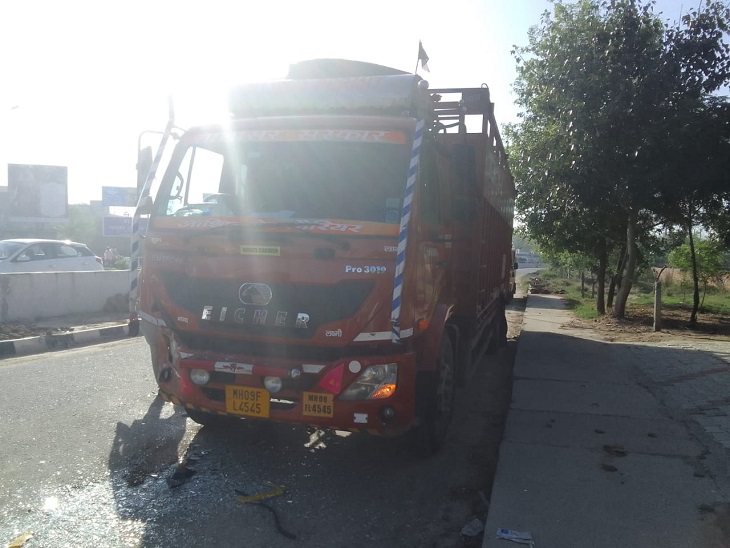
{"x":289,"y":175}
{"x":7,"y":248}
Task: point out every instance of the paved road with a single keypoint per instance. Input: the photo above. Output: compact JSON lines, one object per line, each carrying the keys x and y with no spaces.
{"x":89,"y":457}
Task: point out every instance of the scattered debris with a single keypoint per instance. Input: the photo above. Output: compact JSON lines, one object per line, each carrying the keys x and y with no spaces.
{"x":20,"y":540}
{"x":519,"y":537}
{"x":599,"y":431}
{"x":275,"y":492}
{"x":243,"y":496}
{"x":484,"y":500}
{"x":181,"y":474}
{"x":615,"y":450}
{"x":609,"y":467}
{"x":473,"y":529}
{"x":538,"y":286}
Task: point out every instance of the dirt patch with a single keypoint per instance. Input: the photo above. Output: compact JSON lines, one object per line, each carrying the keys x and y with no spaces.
{"x":638,"y":326}
{"x":12,"y":331}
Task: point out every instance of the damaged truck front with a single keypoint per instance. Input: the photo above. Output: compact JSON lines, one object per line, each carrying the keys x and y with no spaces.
{"x":331,"y":256}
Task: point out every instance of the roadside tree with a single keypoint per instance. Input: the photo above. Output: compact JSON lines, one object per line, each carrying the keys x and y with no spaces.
{"x":600,"y":84}
{"x":703,"y":260}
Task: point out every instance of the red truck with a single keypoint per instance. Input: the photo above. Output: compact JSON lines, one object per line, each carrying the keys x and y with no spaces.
{"x":338,"y":254}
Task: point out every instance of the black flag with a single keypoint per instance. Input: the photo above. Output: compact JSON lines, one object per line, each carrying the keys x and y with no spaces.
{"x":423,"y":57}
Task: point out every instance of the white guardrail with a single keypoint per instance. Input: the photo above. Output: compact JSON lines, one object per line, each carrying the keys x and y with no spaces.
{"x":37,"y":295}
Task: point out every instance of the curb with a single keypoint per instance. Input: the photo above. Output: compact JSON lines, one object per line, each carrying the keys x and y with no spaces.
{"x":61,"y":341}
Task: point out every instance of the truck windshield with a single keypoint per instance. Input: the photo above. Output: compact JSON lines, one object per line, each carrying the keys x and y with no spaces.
{"x":296,"y":177}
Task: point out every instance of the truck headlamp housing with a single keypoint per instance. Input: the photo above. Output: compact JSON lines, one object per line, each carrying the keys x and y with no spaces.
{"x":199,"y":376}
{"x":375,"y":382}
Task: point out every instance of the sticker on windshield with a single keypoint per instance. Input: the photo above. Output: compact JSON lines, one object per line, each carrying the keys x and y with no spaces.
{"x":271,"y":251}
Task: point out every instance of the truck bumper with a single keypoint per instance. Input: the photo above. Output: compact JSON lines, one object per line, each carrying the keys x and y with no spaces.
{"x":311,"y":393}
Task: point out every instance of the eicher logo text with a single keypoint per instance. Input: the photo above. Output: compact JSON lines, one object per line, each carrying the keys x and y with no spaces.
{"x":251,"y":316}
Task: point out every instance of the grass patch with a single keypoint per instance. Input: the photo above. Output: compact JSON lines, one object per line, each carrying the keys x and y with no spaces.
{"x":714,"y":303}
{"x":676,"y":303}
{"x":582,"y":308}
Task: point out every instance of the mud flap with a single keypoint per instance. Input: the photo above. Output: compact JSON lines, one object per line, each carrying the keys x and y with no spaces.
{"x":435,"y":403}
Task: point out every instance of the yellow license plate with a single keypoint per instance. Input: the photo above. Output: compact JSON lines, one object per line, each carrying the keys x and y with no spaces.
{"x":244,"y":400}
{"x":316,"y":404}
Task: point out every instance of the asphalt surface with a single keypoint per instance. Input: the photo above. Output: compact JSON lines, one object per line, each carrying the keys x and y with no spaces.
{"x":611,"y":444}
{"x":606,"y":444}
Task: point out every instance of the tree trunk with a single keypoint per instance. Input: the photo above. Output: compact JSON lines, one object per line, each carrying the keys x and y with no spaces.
{"x":616,"y":278}
{"x":627,"y":278}
{"x":601,"y":276}
{"x":695,"y":279}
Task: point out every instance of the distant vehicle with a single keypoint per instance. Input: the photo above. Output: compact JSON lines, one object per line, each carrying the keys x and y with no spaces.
{"x":26,"y":255}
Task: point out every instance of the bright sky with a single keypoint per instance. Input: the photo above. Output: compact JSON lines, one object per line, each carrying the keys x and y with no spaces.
{"x":82,"y":79}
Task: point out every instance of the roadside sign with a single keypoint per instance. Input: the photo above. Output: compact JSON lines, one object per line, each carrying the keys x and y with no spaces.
{"x":37,"y":193}
{"x":122,"y":226}
{"x":118,"y":196}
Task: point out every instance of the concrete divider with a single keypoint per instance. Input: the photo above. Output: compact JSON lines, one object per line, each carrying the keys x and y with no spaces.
{"x":36,"y":295}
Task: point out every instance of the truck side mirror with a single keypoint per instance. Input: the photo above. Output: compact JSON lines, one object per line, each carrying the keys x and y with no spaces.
{"x":144,"y":164}
{"x":146,"y":205}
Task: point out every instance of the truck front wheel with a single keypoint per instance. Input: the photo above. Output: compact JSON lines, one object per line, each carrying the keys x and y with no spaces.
{"x":438,"y":405}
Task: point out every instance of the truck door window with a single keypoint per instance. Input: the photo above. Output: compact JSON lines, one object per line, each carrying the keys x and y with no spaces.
{"x":196,"y":178}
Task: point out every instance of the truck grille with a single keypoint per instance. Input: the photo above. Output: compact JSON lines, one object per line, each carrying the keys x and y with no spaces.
{"x":320,"y":303}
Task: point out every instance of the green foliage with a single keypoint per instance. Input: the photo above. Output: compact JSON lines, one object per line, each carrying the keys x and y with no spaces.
{"x":122,"y":263}
{"x":571,"y":261}
{"x":612,"y":98}
{"x":82,"y":226}
{"x":710,"y":258}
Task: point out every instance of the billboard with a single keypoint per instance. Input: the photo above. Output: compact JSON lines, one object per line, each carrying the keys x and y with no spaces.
{"x":37,"y":194}
{"x":122,"y":226}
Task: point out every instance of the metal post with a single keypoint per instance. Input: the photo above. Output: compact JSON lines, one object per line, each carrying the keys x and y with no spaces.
{"x":658,"y":300}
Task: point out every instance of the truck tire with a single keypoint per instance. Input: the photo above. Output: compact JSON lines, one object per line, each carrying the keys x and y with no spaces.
{"x":437,"y":409}
{"x":498,"y":331}
{"x":502,"y":329}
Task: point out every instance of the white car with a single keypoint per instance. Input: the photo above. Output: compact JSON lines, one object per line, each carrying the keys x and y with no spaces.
{"x":25,"y":255}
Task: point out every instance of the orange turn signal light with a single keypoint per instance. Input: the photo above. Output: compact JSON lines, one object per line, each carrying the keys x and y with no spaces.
{"x":384,"y":391}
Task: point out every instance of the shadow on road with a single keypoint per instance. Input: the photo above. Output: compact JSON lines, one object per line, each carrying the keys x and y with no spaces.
{"x":144,"y":451}
{"x":150,"y":442}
